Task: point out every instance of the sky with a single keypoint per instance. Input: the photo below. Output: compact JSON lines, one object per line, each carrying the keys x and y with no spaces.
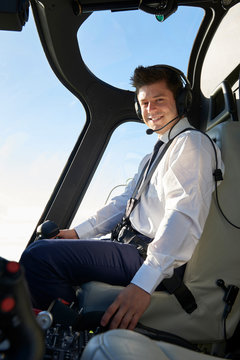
{"x":40,"y":120}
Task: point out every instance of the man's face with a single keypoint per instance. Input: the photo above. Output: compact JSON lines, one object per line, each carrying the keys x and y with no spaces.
{"x":158,"y":106}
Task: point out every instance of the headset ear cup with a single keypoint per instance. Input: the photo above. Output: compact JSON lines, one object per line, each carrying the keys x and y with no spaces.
{"x":138,"y":108}
{"x":184,"y":101}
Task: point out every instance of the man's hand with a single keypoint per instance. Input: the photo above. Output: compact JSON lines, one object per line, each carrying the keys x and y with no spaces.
{"x":127,"y":308}
{"x":68,"y":234}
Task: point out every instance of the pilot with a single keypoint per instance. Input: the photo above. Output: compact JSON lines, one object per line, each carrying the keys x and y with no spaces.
{"x":157,"y":233}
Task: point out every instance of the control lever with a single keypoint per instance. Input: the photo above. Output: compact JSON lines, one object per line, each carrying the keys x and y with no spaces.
{"x":47,"y":230}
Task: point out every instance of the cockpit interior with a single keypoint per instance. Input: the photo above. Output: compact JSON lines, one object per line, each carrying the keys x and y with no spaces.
{"x":94,"y":69}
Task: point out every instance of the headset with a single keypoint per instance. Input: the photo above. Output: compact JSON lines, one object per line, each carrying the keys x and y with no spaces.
{"x":183,"y":97}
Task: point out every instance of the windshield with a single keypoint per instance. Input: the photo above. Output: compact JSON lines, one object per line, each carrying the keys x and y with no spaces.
{"x":113,"y":44}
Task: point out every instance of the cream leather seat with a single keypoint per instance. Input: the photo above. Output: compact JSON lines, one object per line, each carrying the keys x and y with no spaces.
{"x":128,"y":345}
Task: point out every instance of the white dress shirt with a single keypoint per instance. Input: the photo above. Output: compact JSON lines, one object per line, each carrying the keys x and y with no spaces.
{"x":173,"y":208}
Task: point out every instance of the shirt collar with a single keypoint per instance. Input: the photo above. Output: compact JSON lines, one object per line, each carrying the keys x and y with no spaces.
{"x":181,"y":125}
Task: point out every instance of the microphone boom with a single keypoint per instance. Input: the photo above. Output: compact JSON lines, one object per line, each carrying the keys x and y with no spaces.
{"x":151,"y":131}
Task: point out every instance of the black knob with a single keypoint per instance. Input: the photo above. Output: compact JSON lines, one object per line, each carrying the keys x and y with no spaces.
{"x":47,"y":230}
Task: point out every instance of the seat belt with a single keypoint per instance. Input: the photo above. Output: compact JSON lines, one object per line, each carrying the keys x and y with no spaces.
{"x":143,"y":181}
{"x":175,"y":285}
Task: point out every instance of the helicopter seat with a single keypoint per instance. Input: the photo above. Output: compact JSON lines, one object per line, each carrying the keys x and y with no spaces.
{"x":216,"y":257}
{"x":128,"y":345}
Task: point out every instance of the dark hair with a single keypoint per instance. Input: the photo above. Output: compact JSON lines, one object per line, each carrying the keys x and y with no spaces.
{"x":151,"y":74}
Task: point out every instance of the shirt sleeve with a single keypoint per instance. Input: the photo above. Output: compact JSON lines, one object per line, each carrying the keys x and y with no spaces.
{"x":188,"y":185}
{"x":105,"y":219}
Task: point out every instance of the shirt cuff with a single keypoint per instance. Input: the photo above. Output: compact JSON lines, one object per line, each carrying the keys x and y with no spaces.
{"x":85,"y":230}
{"x":147,"y":278}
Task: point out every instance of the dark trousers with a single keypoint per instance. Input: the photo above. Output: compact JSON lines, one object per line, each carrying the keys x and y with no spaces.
{"x":54,"y":267}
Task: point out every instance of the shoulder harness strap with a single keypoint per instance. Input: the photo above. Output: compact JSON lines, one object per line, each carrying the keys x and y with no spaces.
{"x":176,"y":286}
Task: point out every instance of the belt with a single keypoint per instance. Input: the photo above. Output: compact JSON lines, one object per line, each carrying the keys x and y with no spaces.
{"x":125,"y":234}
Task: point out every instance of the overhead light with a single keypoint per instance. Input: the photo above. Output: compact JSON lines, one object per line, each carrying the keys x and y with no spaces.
{"x":161,"y":9}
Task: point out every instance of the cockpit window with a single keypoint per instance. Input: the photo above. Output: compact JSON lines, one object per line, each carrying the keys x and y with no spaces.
{"x":224,"y":52}
{"x":118,"y":165}
{"x":137,"y":38}
{"x":40,"y":121}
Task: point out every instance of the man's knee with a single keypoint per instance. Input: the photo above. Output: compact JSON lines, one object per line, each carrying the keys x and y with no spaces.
{"x":33,"y":254}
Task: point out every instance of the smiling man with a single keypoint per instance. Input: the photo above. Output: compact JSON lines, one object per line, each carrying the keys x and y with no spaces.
{"x":158,"y":106}
{"x":155,"y":224}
